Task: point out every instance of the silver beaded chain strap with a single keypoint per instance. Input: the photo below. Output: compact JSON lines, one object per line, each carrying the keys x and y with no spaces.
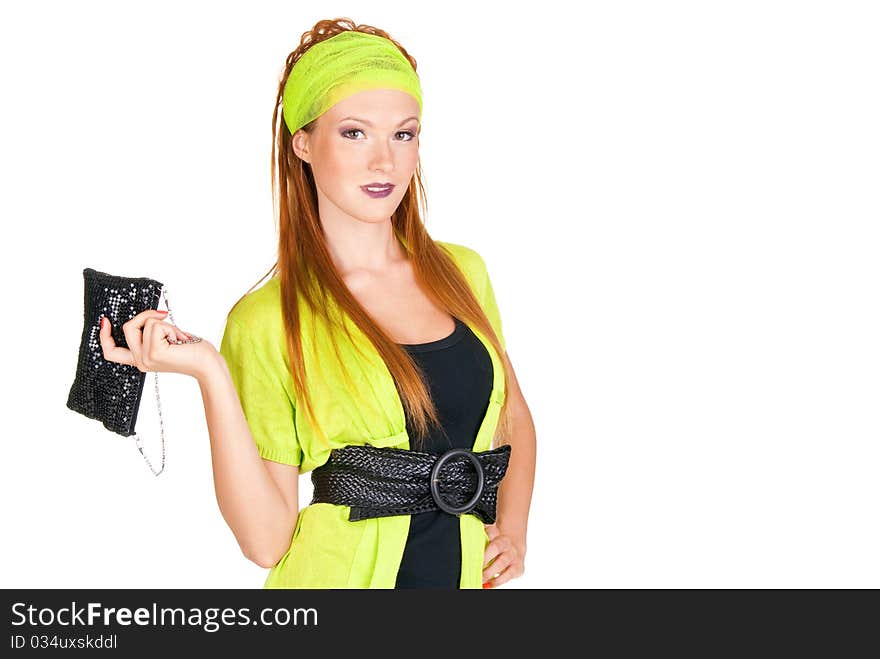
{"x":137,"y":439}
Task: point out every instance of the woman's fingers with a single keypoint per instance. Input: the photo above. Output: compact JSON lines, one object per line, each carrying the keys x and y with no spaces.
{"x":163,"y":332}
{"x":151,"y":347}
{"x":134,"y":330}
{"x":178,"y":333}
{"x":113,"y":352}
{"x":157,"y":337}
{"x":138,"y":332}
{"x":148,"y":350}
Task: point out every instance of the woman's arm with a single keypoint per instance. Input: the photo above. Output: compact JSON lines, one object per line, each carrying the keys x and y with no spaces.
{"x":515,"y":490}
{"x":258,"y":498}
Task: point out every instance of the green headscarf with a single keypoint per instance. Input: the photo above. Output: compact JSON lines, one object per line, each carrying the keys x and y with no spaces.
{"x":343,"y":65}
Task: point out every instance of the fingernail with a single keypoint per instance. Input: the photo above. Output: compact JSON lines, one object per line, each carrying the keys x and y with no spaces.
{"x":488,"y":584}
{"x":162,"y":312}
{"x":103,"y":318}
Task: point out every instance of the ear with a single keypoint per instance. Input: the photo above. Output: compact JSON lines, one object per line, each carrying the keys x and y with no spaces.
{"x":300,"y":142}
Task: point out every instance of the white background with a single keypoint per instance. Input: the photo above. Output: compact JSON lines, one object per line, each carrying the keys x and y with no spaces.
{"x":678,"y":205}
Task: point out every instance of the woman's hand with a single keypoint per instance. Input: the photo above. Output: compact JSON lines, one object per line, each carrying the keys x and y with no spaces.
{"x":509,"y":552}
{"x":148,"y":349}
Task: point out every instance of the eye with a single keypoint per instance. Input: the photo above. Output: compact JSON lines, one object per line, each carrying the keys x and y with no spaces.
{"x":347,"y":134}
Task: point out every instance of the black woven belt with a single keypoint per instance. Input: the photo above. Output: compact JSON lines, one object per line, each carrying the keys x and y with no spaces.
{"x":380,"y":482}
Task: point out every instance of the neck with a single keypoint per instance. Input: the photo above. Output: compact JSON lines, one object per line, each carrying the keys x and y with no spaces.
{"x":358,"y":246}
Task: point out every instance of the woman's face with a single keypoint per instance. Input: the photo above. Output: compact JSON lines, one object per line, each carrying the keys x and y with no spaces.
{"x":368,"y":138}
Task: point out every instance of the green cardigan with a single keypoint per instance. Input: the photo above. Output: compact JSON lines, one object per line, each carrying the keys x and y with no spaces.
{"x":327,"y":550}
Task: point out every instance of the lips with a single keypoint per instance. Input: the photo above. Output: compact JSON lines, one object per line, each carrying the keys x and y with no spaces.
{"x":377,"y":190}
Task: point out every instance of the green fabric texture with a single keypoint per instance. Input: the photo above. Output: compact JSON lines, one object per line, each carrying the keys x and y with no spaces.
{"x":338,"y":67}
{"x":327,"y":550}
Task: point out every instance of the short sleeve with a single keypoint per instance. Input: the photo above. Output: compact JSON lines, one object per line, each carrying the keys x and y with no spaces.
{"x":490,"y":306}
{"x":258,"y":372}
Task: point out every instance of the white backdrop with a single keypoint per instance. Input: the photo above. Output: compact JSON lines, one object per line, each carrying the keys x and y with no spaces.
{"x":678,"y":206}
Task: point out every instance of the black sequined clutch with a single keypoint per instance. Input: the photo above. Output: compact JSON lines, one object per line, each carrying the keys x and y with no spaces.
{"x":108,"y":391}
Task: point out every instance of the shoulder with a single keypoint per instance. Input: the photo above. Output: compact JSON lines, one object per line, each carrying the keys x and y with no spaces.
{"x":255,"y":327}
{"x":466,"y":258}
{"x":260,"y":308}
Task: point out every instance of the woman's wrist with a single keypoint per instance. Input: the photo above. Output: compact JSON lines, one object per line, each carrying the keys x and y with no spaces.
{"x":211,"y":368}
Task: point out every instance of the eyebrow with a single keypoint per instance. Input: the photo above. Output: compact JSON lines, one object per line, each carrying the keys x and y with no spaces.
{"x":364,"y":121}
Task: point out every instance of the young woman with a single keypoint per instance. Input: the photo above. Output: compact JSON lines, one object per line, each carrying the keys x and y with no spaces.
{"x":373,"y":357}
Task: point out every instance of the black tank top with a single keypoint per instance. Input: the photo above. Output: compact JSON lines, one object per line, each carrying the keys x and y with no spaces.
{"x":459,"y":373}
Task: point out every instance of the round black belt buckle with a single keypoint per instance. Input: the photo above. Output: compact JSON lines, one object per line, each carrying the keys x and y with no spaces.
{"x":435,"y":480}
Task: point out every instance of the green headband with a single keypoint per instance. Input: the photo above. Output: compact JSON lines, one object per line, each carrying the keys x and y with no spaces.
{"x":338,"y":67}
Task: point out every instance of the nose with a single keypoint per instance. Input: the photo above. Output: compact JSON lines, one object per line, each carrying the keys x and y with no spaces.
{"x":382,"y":157}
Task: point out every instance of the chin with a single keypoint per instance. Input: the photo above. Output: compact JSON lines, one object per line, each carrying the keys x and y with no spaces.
{"x":377,"y":212}
{"x":375,"y":217}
